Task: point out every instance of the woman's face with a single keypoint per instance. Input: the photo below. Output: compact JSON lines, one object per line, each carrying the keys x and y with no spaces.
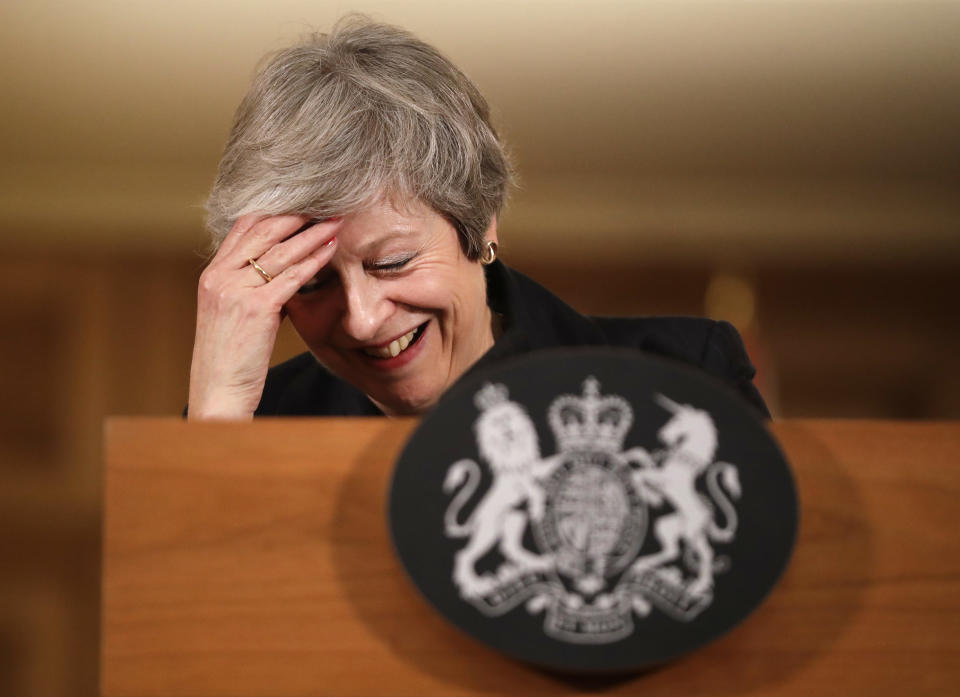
{"x":399,"y":311}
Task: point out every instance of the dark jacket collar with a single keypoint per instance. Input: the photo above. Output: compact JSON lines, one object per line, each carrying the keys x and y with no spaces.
{"x":533,"y":317}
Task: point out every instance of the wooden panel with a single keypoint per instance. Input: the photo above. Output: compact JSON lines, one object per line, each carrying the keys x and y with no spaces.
{"x":254,"y":560}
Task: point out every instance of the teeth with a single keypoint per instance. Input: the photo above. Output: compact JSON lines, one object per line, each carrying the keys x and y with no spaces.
{"x":394,"y":349}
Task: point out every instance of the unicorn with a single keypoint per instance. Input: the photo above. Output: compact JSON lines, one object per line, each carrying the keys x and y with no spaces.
{"x":690,"y":440}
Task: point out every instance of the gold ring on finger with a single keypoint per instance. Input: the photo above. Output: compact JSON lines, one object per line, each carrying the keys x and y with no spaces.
{"x":260,"y":270}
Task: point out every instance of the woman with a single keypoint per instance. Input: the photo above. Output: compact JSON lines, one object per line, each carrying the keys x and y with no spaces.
{"x":358,"y":194}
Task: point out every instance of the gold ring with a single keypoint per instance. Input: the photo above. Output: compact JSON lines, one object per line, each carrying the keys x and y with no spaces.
{"x":263,"y":274}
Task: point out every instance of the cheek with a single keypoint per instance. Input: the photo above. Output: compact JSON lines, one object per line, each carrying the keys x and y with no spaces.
{"x":427,"y":288}
{"x":450,"y":289}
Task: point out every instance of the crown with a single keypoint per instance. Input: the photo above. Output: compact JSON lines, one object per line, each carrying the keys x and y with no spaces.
{"x":590,"y":422}
{"x":490,"y":395}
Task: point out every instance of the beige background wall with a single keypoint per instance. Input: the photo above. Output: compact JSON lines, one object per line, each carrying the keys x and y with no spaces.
{"x":791,"y":166}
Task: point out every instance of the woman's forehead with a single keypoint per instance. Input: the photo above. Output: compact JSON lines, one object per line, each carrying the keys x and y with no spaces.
{"x":385,"y":222}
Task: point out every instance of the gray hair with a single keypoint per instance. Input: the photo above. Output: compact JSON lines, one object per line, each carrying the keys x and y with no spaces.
{"x":343,"y":120}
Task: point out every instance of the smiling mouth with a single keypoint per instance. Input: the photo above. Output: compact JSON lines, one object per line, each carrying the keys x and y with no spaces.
{"x":397,"y":346}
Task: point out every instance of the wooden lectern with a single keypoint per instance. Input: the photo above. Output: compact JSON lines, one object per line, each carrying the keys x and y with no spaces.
{"x":254,"y":559}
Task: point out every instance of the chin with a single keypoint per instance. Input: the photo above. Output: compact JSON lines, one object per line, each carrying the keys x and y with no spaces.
{"x":411,"y":403}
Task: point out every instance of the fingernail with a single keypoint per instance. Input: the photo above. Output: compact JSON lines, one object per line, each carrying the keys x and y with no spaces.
{"x":330,"y":241}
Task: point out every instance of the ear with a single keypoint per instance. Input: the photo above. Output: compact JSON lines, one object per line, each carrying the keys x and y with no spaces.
{"x":491,"y":234}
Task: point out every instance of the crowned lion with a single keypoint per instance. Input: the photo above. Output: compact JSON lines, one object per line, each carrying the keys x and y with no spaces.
{"x":507,"y":440}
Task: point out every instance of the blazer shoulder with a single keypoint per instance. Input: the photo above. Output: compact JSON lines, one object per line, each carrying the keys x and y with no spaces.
{"x":714,"y":346}
{"x":684,"y":338}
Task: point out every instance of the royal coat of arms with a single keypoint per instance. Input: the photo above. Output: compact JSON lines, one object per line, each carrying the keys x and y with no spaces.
{"x":595,"y":534}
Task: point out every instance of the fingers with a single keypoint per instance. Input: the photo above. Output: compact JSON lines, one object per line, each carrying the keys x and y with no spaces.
{"x":285,"y":284}
{"x":239,"y":229}
{"x":252,"y":236}
{"x":231,"y":271}
{"x":279,"y":257}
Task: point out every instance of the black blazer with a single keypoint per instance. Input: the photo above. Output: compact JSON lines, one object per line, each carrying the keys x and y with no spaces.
{"x":534,"y":319}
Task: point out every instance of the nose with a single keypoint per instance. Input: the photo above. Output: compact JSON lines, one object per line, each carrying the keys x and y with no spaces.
{"x":365,"y":309}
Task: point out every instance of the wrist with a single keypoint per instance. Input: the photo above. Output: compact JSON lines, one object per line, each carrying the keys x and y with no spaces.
{"x":224,"y":409}
{"x":214,"y":414}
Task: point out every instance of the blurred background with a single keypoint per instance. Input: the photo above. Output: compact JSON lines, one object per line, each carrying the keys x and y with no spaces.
{"x":790,"y":166}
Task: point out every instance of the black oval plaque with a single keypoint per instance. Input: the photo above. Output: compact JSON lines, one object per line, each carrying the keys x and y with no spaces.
{"x":593,"y":510}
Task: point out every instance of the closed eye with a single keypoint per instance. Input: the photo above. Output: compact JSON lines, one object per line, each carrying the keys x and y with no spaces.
{"x":390,"y":265}
{"x":385,"y":267}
